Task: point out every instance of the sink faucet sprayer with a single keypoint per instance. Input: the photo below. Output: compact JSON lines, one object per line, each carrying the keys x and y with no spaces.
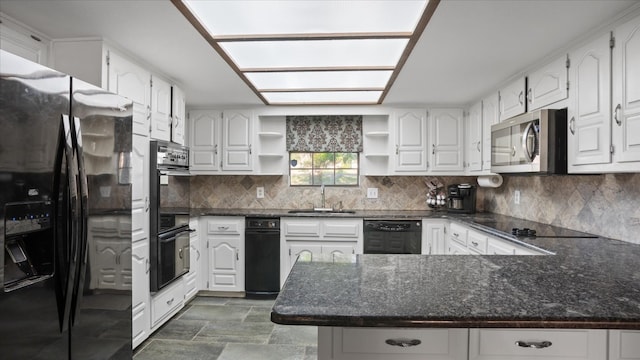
{"x":322,"y":193}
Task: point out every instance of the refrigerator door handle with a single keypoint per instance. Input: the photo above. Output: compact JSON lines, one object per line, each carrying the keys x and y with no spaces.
{"x":83,"y":221}
{"x":66,"y":268}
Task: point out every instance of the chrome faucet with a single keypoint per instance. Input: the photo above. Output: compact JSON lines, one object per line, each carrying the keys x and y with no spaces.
{"x":322,"y":193}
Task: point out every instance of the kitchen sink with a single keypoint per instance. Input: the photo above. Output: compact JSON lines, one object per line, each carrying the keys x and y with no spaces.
{"x":323,"y":211}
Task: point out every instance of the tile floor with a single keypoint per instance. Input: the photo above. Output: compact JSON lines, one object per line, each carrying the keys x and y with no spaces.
{"x":215,"y":328}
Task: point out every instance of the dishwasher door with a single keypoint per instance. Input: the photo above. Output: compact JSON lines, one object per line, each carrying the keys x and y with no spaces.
{"x":262,"y":258}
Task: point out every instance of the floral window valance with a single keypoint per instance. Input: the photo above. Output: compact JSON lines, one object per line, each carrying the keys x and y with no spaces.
{"x":335,"y":133}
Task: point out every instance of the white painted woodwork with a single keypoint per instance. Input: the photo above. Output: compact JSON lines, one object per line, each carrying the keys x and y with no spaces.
{"x":547,"y":84}
{"x":140,"y":188}
{"x":490,"y":116}
{"x":447,"y":140}
{"x":160,"y":109}
{"x":411,"y":140}
{"x":512,"y":99}
{"x":226,"y":258}
{"x":140,"y":298}
{"x":18,"y":40}
{"x":374,"y":159}
{"x":474,"y":139}
{"x":204,"y":144}
{"x":166,"y":303}
{"x":433,"y":237}
{"x":237,"y":140}
{"x":624,"y":345}
{"x":178,"y":115}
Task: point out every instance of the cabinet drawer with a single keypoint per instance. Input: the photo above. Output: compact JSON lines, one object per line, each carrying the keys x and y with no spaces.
{"x":477,"y":242}
{"x":458,"y":233}
{"x":624,"y":345}
{"x":387,"y":343}
{"x":511,"y":344}
{"x":342,"y":229}
{"x":165,"y":302}
{"x":301,"y":228}
{"x":225,"y":226}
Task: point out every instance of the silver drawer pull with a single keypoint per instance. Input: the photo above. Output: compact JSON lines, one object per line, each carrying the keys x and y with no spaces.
{"x":534,"y":344}
{"x":169,"y":302}
{"x":403,"y":342}
{"x":475,"y":243}
{"x":223,"y":228}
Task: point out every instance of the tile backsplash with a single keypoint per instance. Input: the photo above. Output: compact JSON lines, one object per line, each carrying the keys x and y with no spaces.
{"x":606,"y":205}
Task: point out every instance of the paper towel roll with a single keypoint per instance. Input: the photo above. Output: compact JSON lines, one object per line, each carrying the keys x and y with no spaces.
{"x":492,"y":181}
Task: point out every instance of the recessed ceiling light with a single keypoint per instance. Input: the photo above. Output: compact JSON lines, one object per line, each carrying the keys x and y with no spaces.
{"x":313,"y":52}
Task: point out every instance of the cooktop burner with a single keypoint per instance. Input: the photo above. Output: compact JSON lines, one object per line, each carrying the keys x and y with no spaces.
{"x":523,"y":232}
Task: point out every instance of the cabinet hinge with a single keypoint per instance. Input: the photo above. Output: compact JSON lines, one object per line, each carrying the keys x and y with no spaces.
{"x":568,"y":62}
{"x":151,"y":82}
{"x":612,"y":41}
{"x":567,"y":85}
{"x":612,"y":149}
{"x":108,"y":59}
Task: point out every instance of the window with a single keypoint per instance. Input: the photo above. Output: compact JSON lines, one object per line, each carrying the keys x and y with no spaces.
{"x":323,"y":168}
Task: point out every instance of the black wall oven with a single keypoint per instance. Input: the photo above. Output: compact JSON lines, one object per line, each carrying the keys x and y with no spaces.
{"x":169,"y":213}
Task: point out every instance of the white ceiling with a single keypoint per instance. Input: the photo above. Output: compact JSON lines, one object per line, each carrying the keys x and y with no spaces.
{"x":468,"y":48}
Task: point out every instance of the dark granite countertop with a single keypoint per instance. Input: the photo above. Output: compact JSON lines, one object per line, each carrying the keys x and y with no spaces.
{"x":589,"y":282}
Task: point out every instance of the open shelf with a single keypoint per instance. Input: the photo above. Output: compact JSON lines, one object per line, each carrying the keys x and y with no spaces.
{"x":272,"y":134}
{"x":377,"y":133}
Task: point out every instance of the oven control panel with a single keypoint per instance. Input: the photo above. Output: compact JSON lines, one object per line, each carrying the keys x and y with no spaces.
{"x":170,"y":155}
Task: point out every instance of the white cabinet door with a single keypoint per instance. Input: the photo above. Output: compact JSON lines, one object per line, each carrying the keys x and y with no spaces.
{"x":589,"y":135}
{"x":178,"y":115}
{"x":140,"y":188}
{"x":626,"y":92}
{"x":490,"y":116}
{"x":226,"y":263}
{"x":305,"y":250}
{"x":433,"y":237}
{"x":21,"y":42}
{"x":160,"y":109}
{"x":512,"y":99}
{"x":548,"y":84}
{"x":192,"y":278}
{"x":474,"y":139}
{"x":236,"y":140}
{"x":204,"y":132}
{"x":339,"y":249}
{"x":624,"y":345}
{"x":140,"y":298}
{"x":411,"y":140}
{"x":447,"y":140}
{"x":133,"y":82}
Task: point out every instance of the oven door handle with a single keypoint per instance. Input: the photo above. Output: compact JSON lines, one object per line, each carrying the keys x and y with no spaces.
{"x":164,"y":238}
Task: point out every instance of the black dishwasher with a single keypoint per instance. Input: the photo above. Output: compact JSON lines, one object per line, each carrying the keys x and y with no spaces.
{"x":262,"y":258}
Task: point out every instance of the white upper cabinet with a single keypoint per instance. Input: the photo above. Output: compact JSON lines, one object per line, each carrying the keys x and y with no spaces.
{"x":548,"y":84}
{"x":447,"y":140}
{"x":376,"y":142}
{"x":490,"y":116}
{"x":236,"y":140}
{"x":411,"y":140}
{"x":512,"y":99}
{"x":160,"y":109}
{"x":626,"y":92}
{"x":204,"y":134}
{"x":474,"y":138}
{"x":19,"y":40}
{"x":178,"y":115}
{"x":589,"y":120}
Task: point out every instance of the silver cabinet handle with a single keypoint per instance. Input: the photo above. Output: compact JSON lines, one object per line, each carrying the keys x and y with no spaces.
{"x":180,"y":253}
{"x":572,"y":125}
{"x":513,"y":151}
{"x":478,"y":146}
{"x":146,"y":204}
{"x":237,"y":254}
{"x":249,"y":149}
{"x":474,"y":243}
{"x":534,"y":344}
{"x":530,"y":96}
{"x":616,"y":112}
{"x":169,"y":302}
{"x":403,"y":342}
{"x":520,"y":97}
{"x":456,"y":235}
{"x":147,"y":266}
{"x":215,"y":149}
{"x":198,"y":253}
{"x":397,"y":149}
{"x":223,"y":228}
{"x":433,"y":149}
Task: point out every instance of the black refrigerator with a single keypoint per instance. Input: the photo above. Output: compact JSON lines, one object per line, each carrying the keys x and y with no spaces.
{"x":65,"y":284}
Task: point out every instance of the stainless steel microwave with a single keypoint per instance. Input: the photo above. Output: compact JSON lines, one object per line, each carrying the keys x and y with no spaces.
{"x":531,"y":143}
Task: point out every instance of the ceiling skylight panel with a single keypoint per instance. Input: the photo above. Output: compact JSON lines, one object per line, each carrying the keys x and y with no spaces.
{"x":323,"y":97}
{"x":320,"y":79}
{"x":316,"y":53}
{"x":224,"y":18}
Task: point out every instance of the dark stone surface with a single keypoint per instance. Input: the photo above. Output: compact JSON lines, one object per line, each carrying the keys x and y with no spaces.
{"x":586,"y":283}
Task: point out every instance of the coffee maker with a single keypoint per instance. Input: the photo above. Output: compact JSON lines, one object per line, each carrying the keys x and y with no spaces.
{"x":461,"y":198}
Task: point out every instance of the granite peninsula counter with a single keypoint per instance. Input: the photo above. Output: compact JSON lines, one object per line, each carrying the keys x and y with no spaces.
{"x":588,"y":283}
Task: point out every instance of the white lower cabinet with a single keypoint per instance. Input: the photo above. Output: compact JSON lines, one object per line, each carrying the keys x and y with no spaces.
{"x":191,"y":279}
{"x":528,"y":344}
{"x":225,"y":242}
{"x":140,"y":299}
{"x":338,"y":343}
{"x":166,"y":303}
{"x":624,"y":344}
{"x":433,"y":236}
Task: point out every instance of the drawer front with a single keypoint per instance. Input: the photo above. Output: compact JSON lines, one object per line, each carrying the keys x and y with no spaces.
{"x":477,"y":242}
{"x":301,"y":228}
{"x":167,"y":301}
{"x":624,"y":345}
{"x":342,"y":229}
{"x":225,"y":226}
{"x":519,"y":344}
{"x":398,"y":343}
{"x":458,"y":233}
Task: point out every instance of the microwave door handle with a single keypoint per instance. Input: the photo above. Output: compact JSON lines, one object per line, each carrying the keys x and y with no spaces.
{"x":530,"y":153}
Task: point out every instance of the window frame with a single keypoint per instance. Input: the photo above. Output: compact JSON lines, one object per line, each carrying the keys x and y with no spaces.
{"x":313,"y":169}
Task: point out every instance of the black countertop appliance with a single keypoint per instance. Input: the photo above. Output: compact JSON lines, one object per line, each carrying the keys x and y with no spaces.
{"x":461,"y":198}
